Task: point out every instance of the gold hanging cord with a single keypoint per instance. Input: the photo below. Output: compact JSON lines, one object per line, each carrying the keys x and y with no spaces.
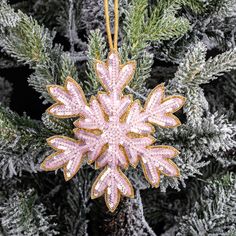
{"x":116,"y":24}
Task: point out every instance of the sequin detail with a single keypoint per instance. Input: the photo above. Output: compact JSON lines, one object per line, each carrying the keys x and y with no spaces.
{"x":114,"y":131}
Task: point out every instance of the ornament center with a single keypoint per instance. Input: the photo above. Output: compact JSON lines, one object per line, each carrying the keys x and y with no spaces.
{"x":113,"y":132}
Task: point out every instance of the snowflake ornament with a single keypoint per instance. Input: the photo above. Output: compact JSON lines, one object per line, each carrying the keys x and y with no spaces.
{"x":113,"y":131}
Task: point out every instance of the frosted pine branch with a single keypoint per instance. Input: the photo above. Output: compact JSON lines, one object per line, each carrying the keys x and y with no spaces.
{"x":217,"y":66}
{"x":161,"y":25}
{"x":8,"y":18}
{"x":96,"y":51}
{"x":22,"y":143}
{"x":21,"y":215}
{"x":214,"y":212}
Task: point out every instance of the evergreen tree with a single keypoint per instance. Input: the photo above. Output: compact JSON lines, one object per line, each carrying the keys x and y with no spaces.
{"x":187,"y":44}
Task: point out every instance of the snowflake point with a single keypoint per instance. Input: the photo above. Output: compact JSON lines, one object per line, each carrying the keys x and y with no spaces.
{"x":67,"y":175}
{"x":113,"y":189}
{"x":155,"y":182}
{"x":69,"y":79}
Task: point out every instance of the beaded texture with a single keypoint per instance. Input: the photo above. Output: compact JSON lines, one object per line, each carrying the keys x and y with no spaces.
{"x":113,"y":131}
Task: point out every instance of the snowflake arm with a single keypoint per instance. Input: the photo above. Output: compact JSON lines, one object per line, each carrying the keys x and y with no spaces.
{"x":113,"y":156}
{"x":159,"y":109}
{"x":113,"y":76}
{"x":94,"y":143}
{"x":137,"y":120}
{"x":94,"y":119}
{"x":156,"y":160}
{"x":70,"y":100}
{"x":112,"y":106}
{"x":69,"y":153}
{"x":112,"y":182}
{"x":134,"y":147}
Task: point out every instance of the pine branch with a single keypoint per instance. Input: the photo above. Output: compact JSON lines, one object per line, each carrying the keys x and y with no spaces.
{"x":22,"y":143}
{"x":22,"y":215}
{"x":31,"y":43}
{"x":143,"y":71}
{"x":78,"y":200}
{"x":68,"y":22}
{"x":53,"y":71}
{"x":141,"y":29}
{"x":58,"y":126}
{"x":214,"y":213}
{"x":96,"y":51}
{"x":164,"y":26}
{"x":194,"y":71}
{"x":161,"y":25}
{"x":197,"y":6}
{"x":216,"y":66}
{"x":195,"y":106}
{"x":27,"y":41}
{"x":169,"y":207}
{"x":8,"y":18}
{"x":185,"y":82}
{"x":225,"y":8}
{"x":190,"y":67}
{"x":213,"y":138}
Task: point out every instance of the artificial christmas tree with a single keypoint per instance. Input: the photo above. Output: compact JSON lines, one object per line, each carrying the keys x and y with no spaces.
{"x":188,"y":45}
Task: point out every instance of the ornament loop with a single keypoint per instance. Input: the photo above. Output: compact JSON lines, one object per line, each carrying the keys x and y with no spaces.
{"x":116,"y":24}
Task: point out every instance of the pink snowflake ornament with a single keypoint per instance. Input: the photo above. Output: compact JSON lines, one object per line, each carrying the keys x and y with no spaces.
{"x":113,"y":131}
